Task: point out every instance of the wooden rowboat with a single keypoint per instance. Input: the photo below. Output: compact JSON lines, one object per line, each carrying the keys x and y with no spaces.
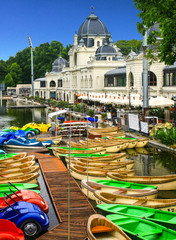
{"x":91,"y":187}
{"x":83,"y":162}
{"x":99,"y":227}
{"x":142,"y":142}
{"x":118,"y":157}
{"x":13,"y":173}
{"x":16,"y":157}
{"x":165,"y":182}
{"x":163,"y":204}
{"x":27,"y":178}
{"x":142,"y":229}
{"x":15,"y":165}
{"x":90,"y":151}
{"x":24,"y":159}
{"x":58,"y":138}
{"x":164,"y":218}
{"x":80,"y":173}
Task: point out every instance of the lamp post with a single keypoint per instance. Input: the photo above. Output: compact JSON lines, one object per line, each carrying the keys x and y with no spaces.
{"x":131,"y":89}
{"x":32,"y":69}
{"x":174,"y":97}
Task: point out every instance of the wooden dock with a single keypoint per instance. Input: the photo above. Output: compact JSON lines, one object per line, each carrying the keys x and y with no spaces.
{"x":73,"y":214}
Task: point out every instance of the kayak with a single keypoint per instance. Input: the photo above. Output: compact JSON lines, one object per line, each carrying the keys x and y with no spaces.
{"x":164,"y":218}
{"x":16,"y":186}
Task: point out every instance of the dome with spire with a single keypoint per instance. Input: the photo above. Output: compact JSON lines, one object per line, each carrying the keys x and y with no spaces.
{"x":93,"y":26}
{"x":58,"y":64}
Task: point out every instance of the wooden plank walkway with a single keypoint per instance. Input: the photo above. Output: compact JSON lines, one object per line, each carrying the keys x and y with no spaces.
{"x":56,"y":177}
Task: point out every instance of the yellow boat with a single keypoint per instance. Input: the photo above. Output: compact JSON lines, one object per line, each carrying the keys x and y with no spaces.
{"x":18,"y":172}
{"x":24,"y":159}
{"x":91,"y":187}
{"x":27,"y":178}
{"x":14,"y":165}
{"x":141,"y":142}
{"x":80,"y":173}
{"x":66,"y":151}
{"x":16,"y":157}
{"x":103,"y":197}
{"x":165,"y":182}
{"x":99,"y":227}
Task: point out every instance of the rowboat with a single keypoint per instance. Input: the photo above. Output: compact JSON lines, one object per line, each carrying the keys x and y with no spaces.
{"x":19,"y":186}
{"x":79,"y":150}
{"x":27,"y":178}
{"x":165,"y":182}
{"x":114,"y":183}
{"x":14,"y":172}
{"x":18,"y":165}
{"x":24,"y":159}
{"x":141,"y":142}
{"x":164,"y":218}
{"x":121,"y":168}
{"x":80,"y":173}
{"x":14,"y":156}
{"x":83,"y":162}
{"x":118,"y":157}
{"x":99,"y":227}
{"x":142,"y":150}
{"x":9,"y":192}
{"x":163,"y":204}
{"x":142,"y":229}
{"x":58,"y":138}
{"x":91,"y":187}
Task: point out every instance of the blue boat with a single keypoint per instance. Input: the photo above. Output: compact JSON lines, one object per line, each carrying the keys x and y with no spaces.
{"x":26,"y":143}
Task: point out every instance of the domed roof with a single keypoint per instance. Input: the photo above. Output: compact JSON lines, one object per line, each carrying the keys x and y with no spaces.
{"x":92,"y":26}
{"x":105,"y":50}
{"x":58,"y":64}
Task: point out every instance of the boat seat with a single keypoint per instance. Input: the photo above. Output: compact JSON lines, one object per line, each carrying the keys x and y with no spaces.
{"x":156,"y":231}
{"x":100,"y":229}
{"x":139,"y":202}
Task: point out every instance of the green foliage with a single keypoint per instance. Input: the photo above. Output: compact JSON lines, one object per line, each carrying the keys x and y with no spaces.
{"x":91,"y":113}
{"x":166,"y":136}
{"x":20,"y":66}
{"x":8,"y":80}
{"x":103,"y":116}
{"x":158,"y":112}
{"x":126,"y":46}
{"x":162,"y":12}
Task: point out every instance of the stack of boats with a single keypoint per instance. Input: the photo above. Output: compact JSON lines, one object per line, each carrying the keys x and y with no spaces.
{"x":18,"y":168}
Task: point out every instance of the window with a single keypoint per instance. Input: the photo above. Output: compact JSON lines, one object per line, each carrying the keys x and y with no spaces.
{"x":152,"y":79}
{"x":115,"y":81}
{"x":59,"y":83}
{"x":98,"y":43}
{"x":43,"y":84}
{"x":170,"y":77}
{"x":52,"y":84}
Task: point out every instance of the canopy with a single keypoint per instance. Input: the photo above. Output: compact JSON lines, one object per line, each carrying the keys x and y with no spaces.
{"x":160,"y":102}
{"x":51,"y":115}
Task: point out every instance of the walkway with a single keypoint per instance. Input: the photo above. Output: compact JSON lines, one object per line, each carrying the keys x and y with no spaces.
{"x":56,"y":177}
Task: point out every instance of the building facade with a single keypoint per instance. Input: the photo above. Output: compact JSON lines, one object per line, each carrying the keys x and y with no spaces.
{"x":96,"y":66}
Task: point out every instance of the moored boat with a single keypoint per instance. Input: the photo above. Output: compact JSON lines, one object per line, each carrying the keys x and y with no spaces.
{"x":14,"y":156}
{"x":99,"y":227}
{"x":27,"y":178}
{"x":165,"y":182}
{"x":19,"y":165}
{"x":164,"y":218}
{"x":16,"y":186}
{"x":23,"y":159}
{"x":163,"y":204}
{"x":142,"y":229}
{"x":80,"y":172}
{"x":63,"y":150}
{"x":91,"y":187}
{"x":18,"y":172}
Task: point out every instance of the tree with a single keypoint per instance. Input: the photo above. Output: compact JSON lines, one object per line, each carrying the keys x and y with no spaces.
{"x":3,"y":70}
{"x":126,"y":46}
{"x":16,"y":73}
{"x":164,"y":13}
{"x":9,"y":81}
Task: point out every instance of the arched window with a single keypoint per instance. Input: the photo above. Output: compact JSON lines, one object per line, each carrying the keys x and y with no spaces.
{"x":131,"y":80}
{"x":52,"y":84}
{"x":152,"y":79}
{"x":37,"y":94}
{"x":98,"y":43}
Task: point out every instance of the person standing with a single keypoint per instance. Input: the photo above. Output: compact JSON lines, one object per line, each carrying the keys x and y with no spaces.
{"x":53,"y":127}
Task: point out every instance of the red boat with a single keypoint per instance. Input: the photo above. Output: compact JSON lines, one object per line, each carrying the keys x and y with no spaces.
{"x":27,"y":196}
{"x":9,"y":231}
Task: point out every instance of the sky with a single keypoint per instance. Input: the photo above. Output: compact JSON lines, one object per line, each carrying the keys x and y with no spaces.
{"x":48,"y":20}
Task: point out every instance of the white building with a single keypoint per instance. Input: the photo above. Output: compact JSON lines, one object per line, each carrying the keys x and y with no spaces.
{"x":96,"y":66}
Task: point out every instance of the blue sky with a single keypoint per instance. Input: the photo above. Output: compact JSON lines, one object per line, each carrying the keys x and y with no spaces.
{"x":48,"y":20}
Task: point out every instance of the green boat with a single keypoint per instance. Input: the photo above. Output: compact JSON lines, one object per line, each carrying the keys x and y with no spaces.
{"x":126,"y":138}
{"x":114,"y":183}
{"x":164,"y":218}
{"x":8,"y":155}
{"x":79,"y":149}
{"x":6,"y":187}
{"x":9,"y":192}
{"x":140,"y":229}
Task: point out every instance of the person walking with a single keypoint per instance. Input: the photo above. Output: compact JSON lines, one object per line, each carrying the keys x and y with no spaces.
{"x":53,"y":127}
